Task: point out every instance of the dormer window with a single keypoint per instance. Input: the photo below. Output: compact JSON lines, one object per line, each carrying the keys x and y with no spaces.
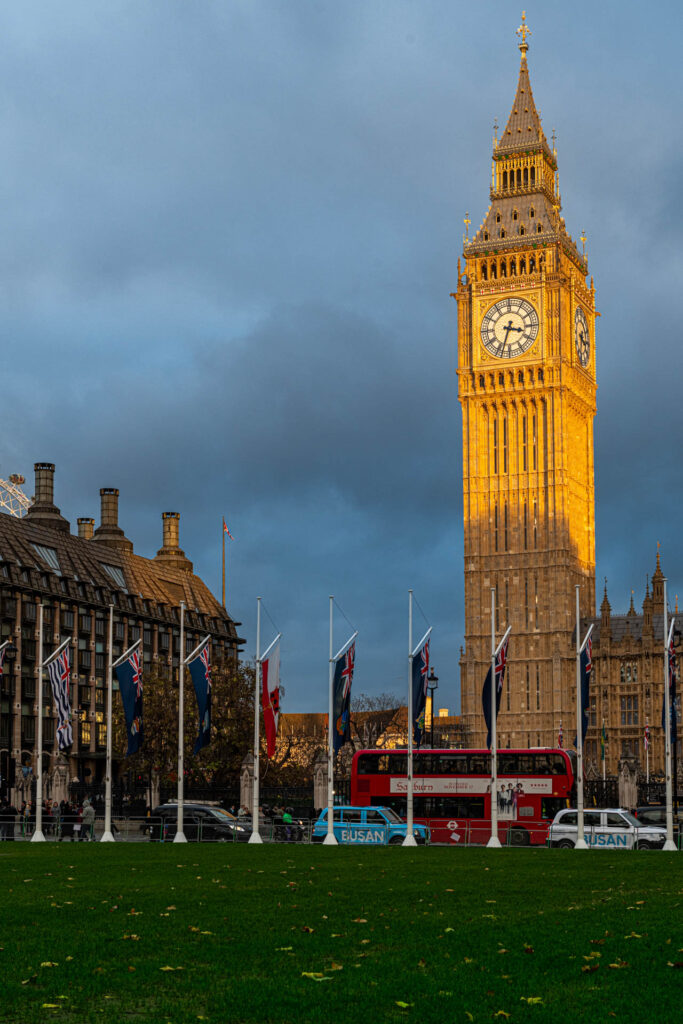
{"x":486,"y":236}
{"x":515,"y":215}
{"x":532,"y":212}
{"x":522,"y":229}
{"x":502,"y":232}
{"x":539,"y":228}
{"x":498,"y":218}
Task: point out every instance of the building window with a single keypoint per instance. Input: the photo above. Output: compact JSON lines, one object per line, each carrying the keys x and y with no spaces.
{"x":629,"y":711}
{"x":497,"y":218}
{"x":515,"y":215}
{"x":528,"y":691}
{"x":538,"y":689}
{"x":524,"y":443}
{"x":532,"y":212}
{"x":495,"y":445}
{"x":505,"y":444}
{"x":526,"y":528}
{"x":526,"y":602}
{"x":539,"y":228}
{"x":486,"y":236}
{"x":593,"y":718}
{"x":534,"y":442}
{"x":535,"y":602}
{"x":495,"y":527}
{"x":507,"y":605}
{"x":505,"y":535}
{"x":101,"y":730}
{"x":484,"y":271}
{"x":535,"y":530}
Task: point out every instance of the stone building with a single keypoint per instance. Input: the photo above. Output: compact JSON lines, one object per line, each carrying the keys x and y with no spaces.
{"x":77,"y":578}
{"x":628,"y":681}
{"x":527,"y":387}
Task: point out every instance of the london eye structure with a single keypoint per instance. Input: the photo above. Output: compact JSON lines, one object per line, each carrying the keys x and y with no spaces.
{"x":12,"y":498}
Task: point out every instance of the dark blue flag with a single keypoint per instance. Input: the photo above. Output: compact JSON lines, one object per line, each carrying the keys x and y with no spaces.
{"x":672,"y":697}
{"x":341,"y":698}
{"x":501,"y":661}
{"x":420,"y":673}
{"x":586,"y":668}
{"x":200,"y":670}
{"x":129,"y":675}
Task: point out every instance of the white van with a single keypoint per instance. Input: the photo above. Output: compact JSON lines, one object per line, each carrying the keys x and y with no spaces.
{"x":610,"y":829}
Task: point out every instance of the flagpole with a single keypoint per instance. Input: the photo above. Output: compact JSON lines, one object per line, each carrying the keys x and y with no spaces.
{"x":647,"y":756}
{"x":180,"y":834}
{"x":223,"y":534}
{"x":581,"y":837}
{"x":330,"y":839}
{"x":38,"y":836}
{"x":494,"y":841}
{"x":255,"y":836}
{"x":410,"y":835}
{"x":604,"y":759}
{"x":107,"y":835}
{"x":669,"y":844}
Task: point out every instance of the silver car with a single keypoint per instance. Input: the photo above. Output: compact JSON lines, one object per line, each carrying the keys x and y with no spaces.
{"x":611,"y":828}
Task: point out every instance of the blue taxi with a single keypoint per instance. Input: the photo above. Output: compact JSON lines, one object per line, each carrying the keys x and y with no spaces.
{"x":368,"y":825}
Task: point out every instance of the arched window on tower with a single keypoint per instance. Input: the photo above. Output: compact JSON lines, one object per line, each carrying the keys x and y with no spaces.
{"x":495,"y":527}
{"x":539,"y":228}
{"x":501,"y":380}
{"x":540,"y":376}
{"x":526,"y":175}
{"x":484,"y":271}
{"x":520,"y":376}
{"x":505,"y":445}
{"x":526,"y":528}
{"x":503,"y":268}
{"x":522,"y":229}
{"x":524,"y":446}
{"x":494,"y":270}
{"x":532,"y":264}
{"x":505,"y":179}
{"x":502,"y":232}
{"x":522,"y":265}
{"x":513,"y":267}
{"x":533,"y":175}
{"x":486,"y":236}
{"x":519,"y":177}
{"x":532,"y":212}
{"x":482,"y":382}
{"x":505,"y":542}
{"x":515,"y":215}
{"x":497,"y":217}
{"x":495,"y":446}
{"x":534,"y":447}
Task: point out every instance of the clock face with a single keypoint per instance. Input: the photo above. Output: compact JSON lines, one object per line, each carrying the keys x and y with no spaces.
{"x":581,"y":338}
{"x":509,"y":328}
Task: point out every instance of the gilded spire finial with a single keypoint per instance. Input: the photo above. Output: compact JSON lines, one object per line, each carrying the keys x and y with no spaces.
{"x":495,"y":131}
{"x":554,"y":142}
{"x":466,"y":222}
{"x":583,"y":241}
{"x":524,"y":31}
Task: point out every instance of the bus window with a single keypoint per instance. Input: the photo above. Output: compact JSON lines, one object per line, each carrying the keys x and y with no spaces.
{"x":479,"y":764}
{"x":367,"y":764}
{"x":422,"y":764}
{"x":507,"y":763}
{"x":451,"y":764}
{"x":398,"y":764}
{"x":550,"y":805}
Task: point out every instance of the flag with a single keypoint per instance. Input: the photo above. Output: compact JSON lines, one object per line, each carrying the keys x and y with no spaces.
{"x":129,"y":675}
{"x":270,"y":697}
{"x":646,"y":739}
{"x":200,"y":670}
{"x":341,"y":697}
{"x":586,"y":664}
{"x":672,"y":696}
{"x":560,"y":737}
{"x":501,"y":661}
{"x":603,"y":741}
{"x":226,"y":530}
{"x":420,"y":673}
{"x":59,"y":671}
{"x":3,"y":650}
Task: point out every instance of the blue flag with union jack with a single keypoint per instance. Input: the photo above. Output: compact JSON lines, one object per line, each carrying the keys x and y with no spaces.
{"x":501,"y":661}
{"x":672,"y":696}
{"x":129,"y":675}
{"x":341,"y":698}
{"x":59,"y":671}
{"x":200,"y":670}
{"x":420,"y":674}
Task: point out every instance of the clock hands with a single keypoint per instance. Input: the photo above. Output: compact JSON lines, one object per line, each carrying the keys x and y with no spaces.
{"x":508,"y":327}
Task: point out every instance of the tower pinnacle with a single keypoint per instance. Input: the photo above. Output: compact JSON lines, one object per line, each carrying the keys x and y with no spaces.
{"x":524,"y":31}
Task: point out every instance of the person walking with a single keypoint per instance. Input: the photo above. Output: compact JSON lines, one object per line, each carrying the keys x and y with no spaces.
{"x":88,"y":825}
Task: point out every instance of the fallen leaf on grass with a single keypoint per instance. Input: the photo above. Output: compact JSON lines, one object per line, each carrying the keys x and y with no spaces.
{"x":336,"y":967}
{"x":679,"y":964}
{"x":501,"y":1013}
{"x":404,"y":1006}
{"x":283,"y":949}
{"x":531,"y":1000}
{"x":28,"y":981}
{"x":589,"y":968}
{"x":528,"y":948}
{"x":134,"y":938}
{"x":360,"y":920}
{"x":450,"y":929}
{"x":49,"y":963}
{"x":315,"y":976}
{"x":50,"y":1006}
{"x":171,"y":968}
{"x":633,"y":935}
{"x":307,"y":928}
{"x":503,"y":951}
{"x":618,"y":965}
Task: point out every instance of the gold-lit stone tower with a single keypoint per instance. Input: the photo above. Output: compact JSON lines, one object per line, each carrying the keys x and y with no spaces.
{"x":526,"y":375}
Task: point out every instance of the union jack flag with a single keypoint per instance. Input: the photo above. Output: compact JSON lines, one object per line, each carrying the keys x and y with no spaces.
{"x":673,"y":735}
{"x":586,"y":666}
{"x":341,"y":697}
{"x":137,"y":673}
{"x":200,"y":670}
{"x":560,"y":737}
{"x":646,"y":740}
{"x":347,"y":671}
{"x":500,"y":664}
{"x":59,"y":671}
{"x":2,"y":658}
{"x":129,"y":675}
{"x":420,"y":687}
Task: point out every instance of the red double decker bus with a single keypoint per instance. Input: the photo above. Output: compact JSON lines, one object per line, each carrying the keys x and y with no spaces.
{"x":452,"y":791}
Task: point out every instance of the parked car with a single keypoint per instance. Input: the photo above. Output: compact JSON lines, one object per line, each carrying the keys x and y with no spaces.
{"x":655,"y":814}
{"x":611,"y":828}
{"x":370,"y":825}
{"x":201,"y":823}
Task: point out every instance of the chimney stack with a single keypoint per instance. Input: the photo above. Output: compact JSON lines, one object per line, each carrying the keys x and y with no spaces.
{"x":171,"y":553}
{"x":109,"y":532}
{"x":43,"y":509}
{"x":86,"y":528}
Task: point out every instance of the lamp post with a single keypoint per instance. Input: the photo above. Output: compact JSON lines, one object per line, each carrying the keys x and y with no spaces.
{"x":432,"y":685}
{"x":9,"y":654}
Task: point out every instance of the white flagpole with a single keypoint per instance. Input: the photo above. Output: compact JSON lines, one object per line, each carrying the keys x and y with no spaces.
{"x":669,"y":844}
{"x":255,"y":836}
{"x":107,"y":835}
{"x":494,"y":841}
{"x":180,"y":834}
{"x":603,"y":751}
{"x":330,"y":839}
{"x":581,"y":843}
{"x":410,"y":835}
{"x":38,"y":836}
{"x":647,"y":757}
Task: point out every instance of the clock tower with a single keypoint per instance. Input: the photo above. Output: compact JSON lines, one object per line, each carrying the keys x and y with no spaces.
{"x":527,"y":384}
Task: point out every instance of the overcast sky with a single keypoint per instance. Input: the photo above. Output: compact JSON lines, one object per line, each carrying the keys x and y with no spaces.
{"x":229,"y":234}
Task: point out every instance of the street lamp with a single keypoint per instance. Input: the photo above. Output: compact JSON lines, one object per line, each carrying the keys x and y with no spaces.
{"x":432,"y":685}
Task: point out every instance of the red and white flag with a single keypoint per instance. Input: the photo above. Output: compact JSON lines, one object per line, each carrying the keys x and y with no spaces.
{"x":270,"y":696}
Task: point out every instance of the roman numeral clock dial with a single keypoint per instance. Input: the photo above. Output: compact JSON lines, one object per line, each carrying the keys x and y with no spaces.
{"x":509,"y":327}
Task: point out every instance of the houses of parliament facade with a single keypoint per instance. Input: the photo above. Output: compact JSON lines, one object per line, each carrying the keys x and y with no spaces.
{"x":527,"y":386}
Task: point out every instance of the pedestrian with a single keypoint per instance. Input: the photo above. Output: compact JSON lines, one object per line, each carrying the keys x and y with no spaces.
{"x":3,"y":818}
{"x":10,"y":819}
{"x":78,"y":822}
{"x":67,"y":821}
{"x":88,"y":827}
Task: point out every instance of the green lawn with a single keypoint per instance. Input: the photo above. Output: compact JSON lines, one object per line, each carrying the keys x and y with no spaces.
{"x":284,"y":933}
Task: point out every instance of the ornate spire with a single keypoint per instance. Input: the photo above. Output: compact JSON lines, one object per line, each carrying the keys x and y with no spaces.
{"x":523,"y":31}
{"x":605,"y":607}
{"x":523,"y":130}
{"x":632,"y":610}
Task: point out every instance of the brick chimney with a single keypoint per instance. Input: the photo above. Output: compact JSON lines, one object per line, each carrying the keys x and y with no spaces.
{"x":43,"y":510}
{"x":171,"y":553}
{"x":109,"y":532}
{"x":86,"y":528}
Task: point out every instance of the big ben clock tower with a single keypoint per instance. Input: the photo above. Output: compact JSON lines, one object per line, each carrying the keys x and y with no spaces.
{"x":527,"y":384}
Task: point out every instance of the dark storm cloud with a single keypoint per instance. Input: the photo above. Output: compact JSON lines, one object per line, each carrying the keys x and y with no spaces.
{"x":230,"y":231}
